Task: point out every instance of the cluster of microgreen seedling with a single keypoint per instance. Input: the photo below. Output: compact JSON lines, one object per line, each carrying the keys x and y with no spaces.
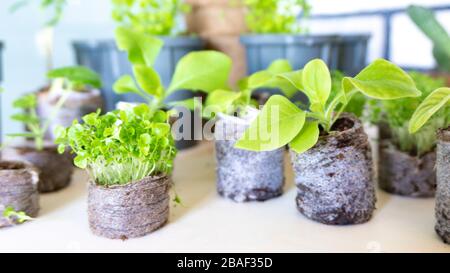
{"x":122,"y":146}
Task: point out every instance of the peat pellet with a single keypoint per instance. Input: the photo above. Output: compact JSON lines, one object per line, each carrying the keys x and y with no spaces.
{"x":76,"y":106}
{"x":129,"y":211}
{"x":18,"y":189}
{"x":335,"y":178}
{"x":245,"y":175}
{"x":443,"y":185}
{"x":404,"y":174}
{"x":55,"y":170}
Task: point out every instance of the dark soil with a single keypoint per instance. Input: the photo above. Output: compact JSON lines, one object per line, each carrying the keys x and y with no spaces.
{"x":245,"y":175}
{"x":55,"y":170}
{"x":129,"y":211}
{"x":18,"y":189}
{"x":443,"y":186}
{"x":335,"y":179}
{"x":404,"y":174}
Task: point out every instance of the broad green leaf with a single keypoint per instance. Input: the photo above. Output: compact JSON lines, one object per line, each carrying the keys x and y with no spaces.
{"x":432,"y":104}
{"x":220,"y":101}
{"x":268,"y":78}
{"x":279,"y":66}
{"x":125,"y":84}
{"x":142,"y":49}
{"x":187,"y":103}
{"x":148,"y":79}
{"x":295,"y":79}
{"x":316,"y":80}
{"x":26,"y":101}
{"x":279,"y":123}
{"x":201,"y":71}
{"x":25,"y":118}
{"x":77,"y":75}
{"x":382,"y":80}
{"x":307,"y":137}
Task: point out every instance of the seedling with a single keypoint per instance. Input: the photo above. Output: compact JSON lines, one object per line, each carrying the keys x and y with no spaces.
{"x":198,"y":71}
{"x":438,"y":100}
{"x":281,"y":122}
{"x":152,"y":17}
{"x":65,"y":81}
{"x":122,"y":146}
{"x":14,"y":216}
{"x":275,"y":16}
{"x":228,"y":101}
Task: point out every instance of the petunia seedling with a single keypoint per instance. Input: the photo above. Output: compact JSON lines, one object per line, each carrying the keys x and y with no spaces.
{"x":281,"y":122}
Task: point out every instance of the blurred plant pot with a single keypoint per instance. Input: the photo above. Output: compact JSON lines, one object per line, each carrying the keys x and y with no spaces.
{"x":18,"y":189}
{"x":131,"y":210}
{"x":104,"y":58}
{"x":76,"y":106}
{"x":343,"y":52}
{"x":245,"y":175}
{"x":443,"y":185}
{"x":55,"y":170}
{"x":335,"y":179}
{"x":404,"y":174}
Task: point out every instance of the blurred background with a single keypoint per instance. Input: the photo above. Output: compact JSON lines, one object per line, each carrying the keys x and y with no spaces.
{"x":24,"y":64}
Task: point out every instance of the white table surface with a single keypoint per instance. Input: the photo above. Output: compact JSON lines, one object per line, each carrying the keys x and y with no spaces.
{"x":209,"y":223}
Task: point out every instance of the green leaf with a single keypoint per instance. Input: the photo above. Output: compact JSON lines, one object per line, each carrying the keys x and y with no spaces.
{"x":142,"y":49}
{"x":17,"y":216}
{"x":316,"y":81}
{"x":77,"y":75}
{"x":307,"y":137}
{"x":125,"y":84}
{"x":432,"y":104}
{"x":382,"y":80}
{"x":279,"y":66}
{"x":268,"y":78}
{"x":80,"y":161}
{"x":25,"y":118}
{"x":295,"y":79}
{"x":201,"y":71}
{"x":279,"y":122}
{"x":61,"y":148}
{"x":189,"y":104}
{"x":148,"y":79}
{"x":220,"y":101}
{"x":26,"y":101}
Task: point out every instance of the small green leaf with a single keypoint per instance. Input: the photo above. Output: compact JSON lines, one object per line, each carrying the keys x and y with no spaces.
{"x":382,"y":80}
{"x":316,"y":80}
{"x":26,"y":101}
{"x":307,"y":137}
{"x":125,"y":84}
{"x":61,"y":148}
{"x":189,"y":104}
{"x":279,"y":122}
{"x":16,"y":216}
{"x":220,"y":101}
{"x":432,"y":104}
{"x":201,"y":71}
{"x":279,"y":66}
{"x":77,"y":75}
{"x":148,"y":79}
{"x":142,"y":49}
{"x":80,"y":162}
